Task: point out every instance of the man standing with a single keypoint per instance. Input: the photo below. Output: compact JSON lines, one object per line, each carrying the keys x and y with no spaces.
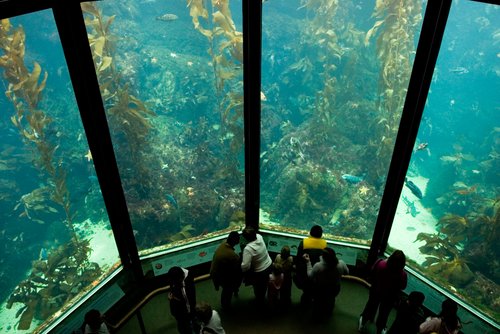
{"x":256,"y":263}
{"x":225,"y":270}
{"x":313,"y":246}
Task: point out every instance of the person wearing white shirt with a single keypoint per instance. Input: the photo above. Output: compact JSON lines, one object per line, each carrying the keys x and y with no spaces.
{"x":256,"y":263}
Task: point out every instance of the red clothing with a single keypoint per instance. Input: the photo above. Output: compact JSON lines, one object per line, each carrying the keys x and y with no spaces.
{"x":386,"y":283}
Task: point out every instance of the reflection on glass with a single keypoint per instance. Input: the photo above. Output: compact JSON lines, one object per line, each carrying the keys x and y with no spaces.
{"x":171,"y":82}
{"x":55,"y":238}
{"x":448,"y":215}
{"x":335,"y":76}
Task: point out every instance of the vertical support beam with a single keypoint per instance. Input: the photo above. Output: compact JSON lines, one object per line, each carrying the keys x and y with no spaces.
{"x":435,"y":18}
{"x":72,"y":31}
{"x":252,"y":54}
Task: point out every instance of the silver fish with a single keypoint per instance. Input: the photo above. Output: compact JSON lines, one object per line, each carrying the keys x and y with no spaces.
{"x":459,"y":70}
{"x":167,"y":17}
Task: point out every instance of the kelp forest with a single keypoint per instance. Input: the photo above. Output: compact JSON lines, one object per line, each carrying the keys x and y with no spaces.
{"x":334,"y":82}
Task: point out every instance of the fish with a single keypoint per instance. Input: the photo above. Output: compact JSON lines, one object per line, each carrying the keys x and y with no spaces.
{"x":352,"y":179}
{"x":466,"y":191}
{"x":410,"y":207}
{"x":459,"y":70}
{"x":422,"y":146}
{"x":172,"y":200}
{"x":414,"y":189}
{"x":167,"y":17}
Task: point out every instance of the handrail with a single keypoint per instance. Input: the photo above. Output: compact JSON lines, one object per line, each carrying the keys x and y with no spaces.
{"x":198,"y":279}
{"x":146,"y":299}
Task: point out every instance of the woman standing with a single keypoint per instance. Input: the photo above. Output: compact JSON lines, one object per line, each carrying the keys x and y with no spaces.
{"x":388,"y":280}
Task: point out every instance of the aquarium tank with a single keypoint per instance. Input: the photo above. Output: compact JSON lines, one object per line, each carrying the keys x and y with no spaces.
{"x":56,"y":239}
{"x":334,"y":80}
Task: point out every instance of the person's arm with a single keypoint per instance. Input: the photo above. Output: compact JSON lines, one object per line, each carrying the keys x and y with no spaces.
{"x":246,"y":263}
{"x":429,"y":325}
{"x":309,"y":265}
{"x":300,"y":251}
{"x":342,"y":268}
{"x":404,"y":282}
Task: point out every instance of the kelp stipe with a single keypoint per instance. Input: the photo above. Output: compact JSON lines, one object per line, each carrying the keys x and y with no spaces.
{"x":61,"y":273}
{"x":226,"y":51}
{"x":394,"y":32}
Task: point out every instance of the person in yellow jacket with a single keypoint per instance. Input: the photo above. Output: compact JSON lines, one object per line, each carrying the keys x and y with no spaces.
{"x":313,"y":245}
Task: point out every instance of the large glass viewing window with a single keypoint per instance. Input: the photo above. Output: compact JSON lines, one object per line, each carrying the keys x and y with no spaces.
{"x":171,"y":83}
{"x":447,"y":219}
{"x":55,"y":238}
{"x":334,"y":81}
{"x":335,"y":76}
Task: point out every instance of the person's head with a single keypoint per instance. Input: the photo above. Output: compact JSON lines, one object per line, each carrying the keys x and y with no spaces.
{"x":249,"y":234}
{"x":329,"y":256}
{"x":285,"y":252}
{"x":316,"y":231}
{"x":233,"y":238}
{"x":175,"y":275}
{"x":203,"y":312}
{"x":396,"y":261}
{"x":416,"y":299}
{"x":93,"y":318}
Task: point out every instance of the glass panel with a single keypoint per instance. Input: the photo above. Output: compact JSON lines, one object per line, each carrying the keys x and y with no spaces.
{"x":448,"y":214}
{"x":335,"y":75}
{"x":56,"y":242}
{"x":171,"y":82}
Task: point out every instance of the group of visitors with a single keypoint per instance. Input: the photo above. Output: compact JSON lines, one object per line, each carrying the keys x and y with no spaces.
{"x":317,"y":271}
{"x":388,"y":279}
{"x":191,"y":317}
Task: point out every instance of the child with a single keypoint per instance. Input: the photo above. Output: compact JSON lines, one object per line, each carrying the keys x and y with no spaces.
{"x":286,"y":262}
{"x":209,"y":318}
{"x":276,"y":278}
{"x":410,"y":315}
{"x":446,"y":322}
{"x":182,"y":297}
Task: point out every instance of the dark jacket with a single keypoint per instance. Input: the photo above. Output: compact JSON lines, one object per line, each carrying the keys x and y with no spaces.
{"x":226,"y":269}
{"x":408,"y":319}
{"x":312,"y":246}
{"x":386,"y":284}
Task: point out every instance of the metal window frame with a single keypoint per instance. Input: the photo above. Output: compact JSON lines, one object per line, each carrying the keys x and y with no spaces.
{"x":431,"y":36}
